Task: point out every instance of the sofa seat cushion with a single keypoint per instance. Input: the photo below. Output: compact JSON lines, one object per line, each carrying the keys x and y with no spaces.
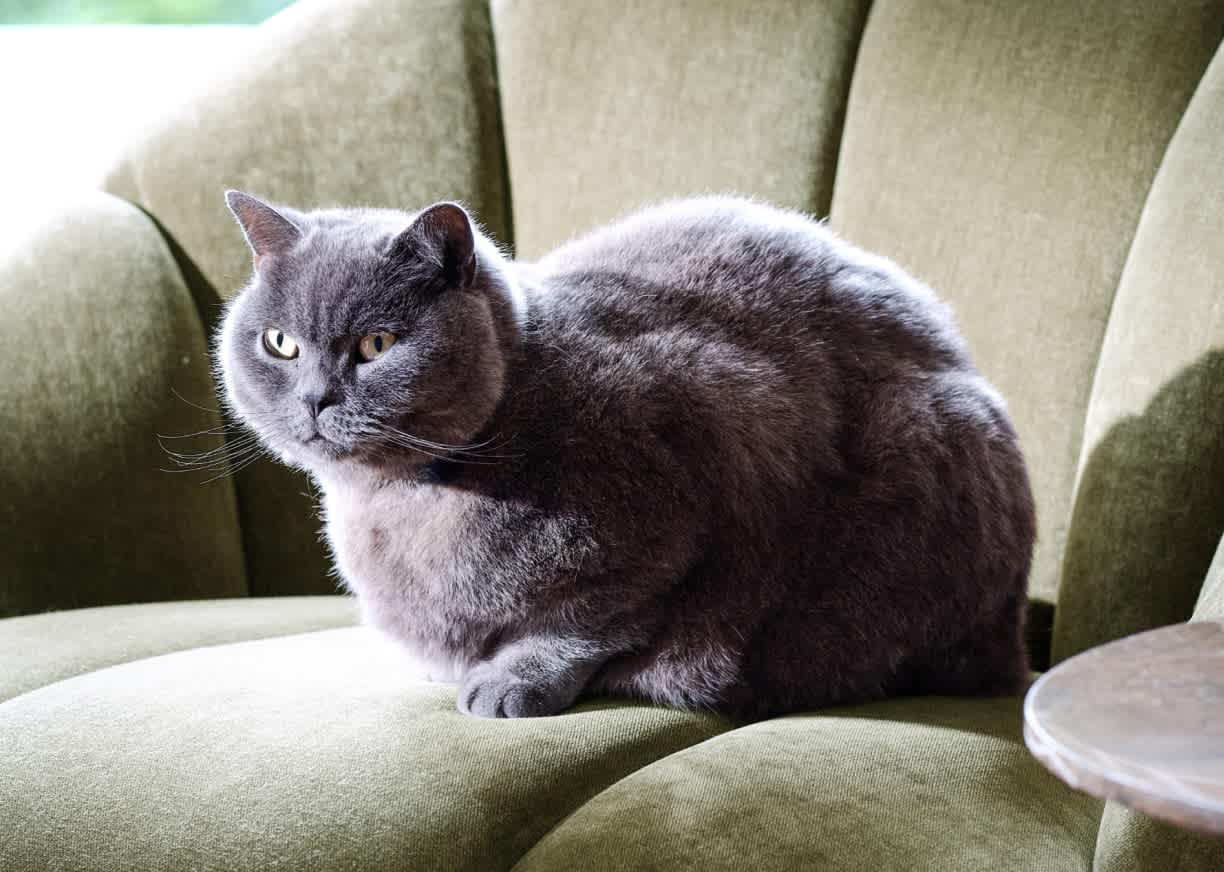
{"x":931,"y":783}
{"x":321,"y":751}
{"x":309,"y":752}
{"x":40,"y":649}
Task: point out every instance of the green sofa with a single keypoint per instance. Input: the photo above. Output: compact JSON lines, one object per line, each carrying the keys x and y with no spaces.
{"x":184,"y":690}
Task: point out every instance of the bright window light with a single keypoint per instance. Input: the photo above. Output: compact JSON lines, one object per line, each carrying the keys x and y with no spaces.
{"x":80,"y":79}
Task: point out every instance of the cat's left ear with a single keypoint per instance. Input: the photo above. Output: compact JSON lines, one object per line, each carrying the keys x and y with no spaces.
{"x":442,"y":234}
{"x":267,"y":231}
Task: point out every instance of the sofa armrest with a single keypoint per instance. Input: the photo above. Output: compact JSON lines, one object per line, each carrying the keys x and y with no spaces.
{"x":101,"y":351}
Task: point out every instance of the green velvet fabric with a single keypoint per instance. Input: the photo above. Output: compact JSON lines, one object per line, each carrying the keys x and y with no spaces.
{"x":282,"y":532}
{"x":1149,"y":508}
{"x":37,"y":650}
{"x":101,"y":352}
{"x":1132,"y":842}
{"x":1003,"y":152}
{"x":349,"y":103}
{"x":608,"y":106}
{"x":309,"y":752}
{"x":909,"y":784}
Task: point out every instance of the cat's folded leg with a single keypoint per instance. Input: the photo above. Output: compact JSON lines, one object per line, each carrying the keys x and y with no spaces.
{"x":532,"y":676}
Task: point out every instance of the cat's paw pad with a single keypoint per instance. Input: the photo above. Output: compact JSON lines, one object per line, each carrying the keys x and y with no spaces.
{"x":489,"y":693}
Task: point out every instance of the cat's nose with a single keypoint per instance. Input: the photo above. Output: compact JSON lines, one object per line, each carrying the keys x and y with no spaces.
{"x":317,"y":401}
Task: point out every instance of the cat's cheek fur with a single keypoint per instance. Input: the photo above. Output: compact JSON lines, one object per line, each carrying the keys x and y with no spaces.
{"x":236,"y":362}
{"x":227,"y":366}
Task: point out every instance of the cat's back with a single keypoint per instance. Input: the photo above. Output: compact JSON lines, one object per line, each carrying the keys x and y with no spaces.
{"x":678,"y":243}
{"x":728,"y":267}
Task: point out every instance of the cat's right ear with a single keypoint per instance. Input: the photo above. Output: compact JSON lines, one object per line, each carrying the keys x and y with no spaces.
{"x":441,"y":235}
{"x":266,"y":230}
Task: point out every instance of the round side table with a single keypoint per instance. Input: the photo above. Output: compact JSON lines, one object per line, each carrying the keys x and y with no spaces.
{"x":1141,"y":721}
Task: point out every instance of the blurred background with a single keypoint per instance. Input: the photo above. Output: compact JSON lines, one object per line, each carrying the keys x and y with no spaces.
{"x":82,"y":12}
{"x":77,"y":77}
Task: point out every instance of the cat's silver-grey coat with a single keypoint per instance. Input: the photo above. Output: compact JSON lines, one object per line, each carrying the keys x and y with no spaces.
{"x":710,"y":456}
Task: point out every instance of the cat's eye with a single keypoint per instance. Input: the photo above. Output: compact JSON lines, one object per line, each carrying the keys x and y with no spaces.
{"x":375,"y":345}
{"x":280,"y":344}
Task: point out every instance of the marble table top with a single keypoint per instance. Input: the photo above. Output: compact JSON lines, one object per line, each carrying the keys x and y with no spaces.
{"x":1141,"y":721}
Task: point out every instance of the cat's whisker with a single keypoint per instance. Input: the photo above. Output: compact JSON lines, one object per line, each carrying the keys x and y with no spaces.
{"x":401,"y":442}
{"x":429,"y":453}
{"x":223,"y":464}
{"x":234,"y":470}
{"x":220,"y":430}
{"x":432,"y":449}
{"x":439,"y":445}
{"x":474,"y":450}
{"x":194,"y":405}
{"x":211,"y":452}
{"x":251,"y":456}
{"x":223,"y":457}
{"x":447,"y":445}
{"x":207,"y":458}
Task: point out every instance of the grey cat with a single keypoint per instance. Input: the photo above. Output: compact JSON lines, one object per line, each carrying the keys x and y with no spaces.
{"x":709,"y":456}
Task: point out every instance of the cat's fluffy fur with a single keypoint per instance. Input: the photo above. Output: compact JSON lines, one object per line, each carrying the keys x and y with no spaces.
{"x":710,"y":456}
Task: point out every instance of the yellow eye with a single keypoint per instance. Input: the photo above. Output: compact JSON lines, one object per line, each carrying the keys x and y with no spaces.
{"x":375,"y":345}
{"x":280,"y":344}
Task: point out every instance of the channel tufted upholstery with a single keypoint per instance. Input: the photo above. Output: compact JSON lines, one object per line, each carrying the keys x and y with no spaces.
{"x":181,"y":689}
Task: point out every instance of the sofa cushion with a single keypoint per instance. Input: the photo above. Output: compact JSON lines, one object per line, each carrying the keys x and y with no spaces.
{"x":608,"y":106}
{"x":36,"y":650}
{"x":908,"y":784}
{"x":308,"y":752}
{"x":1003,"y":151}
{"x":1149,"y":508}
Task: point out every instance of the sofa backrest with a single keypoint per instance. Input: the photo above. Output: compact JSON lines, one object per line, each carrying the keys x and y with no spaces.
{"x":1150,"y":503}
{"x":609,"y":106}
{"x":1002,"y":152}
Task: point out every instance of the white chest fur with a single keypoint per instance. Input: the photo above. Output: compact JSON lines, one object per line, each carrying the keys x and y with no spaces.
{"x":413,"y":554}
{"x":444,"y":570}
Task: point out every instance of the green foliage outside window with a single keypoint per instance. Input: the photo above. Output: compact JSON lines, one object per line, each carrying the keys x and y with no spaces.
{"x":75,"y":12}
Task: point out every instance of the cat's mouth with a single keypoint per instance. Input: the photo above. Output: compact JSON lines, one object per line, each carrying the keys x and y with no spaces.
{"x":320,"y":444}
{"x":396,"y":450}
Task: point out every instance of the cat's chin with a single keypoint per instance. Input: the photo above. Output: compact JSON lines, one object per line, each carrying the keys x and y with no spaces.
{"x":332,"y":461}
{"x":316,"y":454}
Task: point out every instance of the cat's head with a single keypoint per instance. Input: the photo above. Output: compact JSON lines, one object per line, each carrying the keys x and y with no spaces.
{"x":371,"y":337}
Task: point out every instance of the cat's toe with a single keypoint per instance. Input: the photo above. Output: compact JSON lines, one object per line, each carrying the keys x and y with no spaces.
{"x":503,"y":696}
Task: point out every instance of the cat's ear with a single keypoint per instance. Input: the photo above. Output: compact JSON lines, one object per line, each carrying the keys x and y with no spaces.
{"x":267,"y":231}
{"x":442,"y":234}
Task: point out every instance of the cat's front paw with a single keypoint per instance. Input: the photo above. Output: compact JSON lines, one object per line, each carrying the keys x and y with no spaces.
{"x":492,"y":692}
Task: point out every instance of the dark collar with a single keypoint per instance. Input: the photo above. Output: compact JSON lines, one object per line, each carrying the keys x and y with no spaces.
{"x":441,"y":471}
